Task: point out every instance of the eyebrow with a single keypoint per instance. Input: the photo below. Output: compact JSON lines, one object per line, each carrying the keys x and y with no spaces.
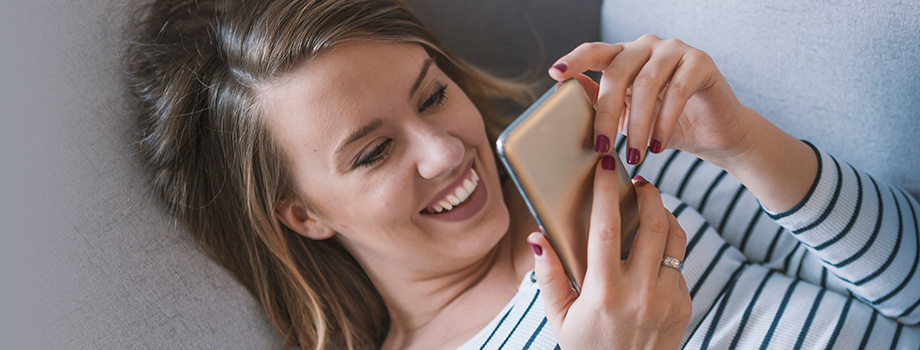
{"x":358,"y":134}
{"x":370,"y":127}
{"x":421,"y":76}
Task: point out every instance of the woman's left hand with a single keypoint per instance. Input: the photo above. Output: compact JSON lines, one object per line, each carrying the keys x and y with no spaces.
{"x":666,"y":94}
{"x":660,"y":93}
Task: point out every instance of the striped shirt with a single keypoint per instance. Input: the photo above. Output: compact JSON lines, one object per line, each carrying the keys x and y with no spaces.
{"x":838,"y":271}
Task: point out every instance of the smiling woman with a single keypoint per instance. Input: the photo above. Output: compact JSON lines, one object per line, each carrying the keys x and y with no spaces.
{"x":251,"y":86}
{"x":338,"y":162}
{"x":409,"y":140}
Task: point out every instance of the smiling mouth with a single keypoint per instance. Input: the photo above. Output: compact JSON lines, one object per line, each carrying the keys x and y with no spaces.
{"x":457,"y":196}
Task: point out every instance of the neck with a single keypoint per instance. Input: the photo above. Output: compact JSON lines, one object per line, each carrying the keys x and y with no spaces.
{"x":447,"y":310}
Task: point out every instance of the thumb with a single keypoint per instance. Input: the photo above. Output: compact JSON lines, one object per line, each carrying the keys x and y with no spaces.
{"x":558,"y":294}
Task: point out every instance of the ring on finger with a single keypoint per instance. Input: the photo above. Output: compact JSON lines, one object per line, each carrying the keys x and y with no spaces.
{"x":673,"y":263}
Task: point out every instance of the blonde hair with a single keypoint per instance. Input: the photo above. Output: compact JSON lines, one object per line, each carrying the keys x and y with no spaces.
{"x":193,"y":66}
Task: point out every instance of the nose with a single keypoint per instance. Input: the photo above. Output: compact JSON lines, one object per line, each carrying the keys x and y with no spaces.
{"x":438,"y":151}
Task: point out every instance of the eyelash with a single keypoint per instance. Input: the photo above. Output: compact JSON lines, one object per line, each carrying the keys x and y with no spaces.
{"x":376,"y":155}
{"x":382,"y":150}
{"x":437,"y":98}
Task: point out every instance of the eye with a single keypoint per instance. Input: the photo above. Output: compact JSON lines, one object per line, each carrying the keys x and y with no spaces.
{"x":435,"y":99}
{"x":374,"y":155}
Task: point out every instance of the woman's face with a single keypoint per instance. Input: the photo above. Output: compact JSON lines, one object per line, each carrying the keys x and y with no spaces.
{"x":389,"y":154}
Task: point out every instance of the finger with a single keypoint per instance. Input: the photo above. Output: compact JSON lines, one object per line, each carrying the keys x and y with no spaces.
{"x":602,"y":142}
{"x":604,"y":230}
{"x":554,"y":284}
{"x":588,"y":56}
{"x":648,"y":246}
{"x":676,"y":244}
{"x":611,"y":97}
{"x":590,"y":86}
{"x":686,"y":80}
{"x":646,"y":88}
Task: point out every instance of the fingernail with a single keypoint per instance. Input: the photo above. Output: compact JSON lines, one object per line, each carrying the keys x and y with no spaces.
{"x":608,"y":163}
{"x":561,"y":67}
{"x":632,"y":156}
{"x":602,"y":144}
{"x":655,"y":146}
{"x":537,"y":250}
{"x":639,"y":179}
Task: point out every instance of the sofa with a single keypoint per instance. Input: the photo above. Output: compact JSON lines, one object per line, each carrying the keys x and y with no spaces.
{"x":90,"y":261}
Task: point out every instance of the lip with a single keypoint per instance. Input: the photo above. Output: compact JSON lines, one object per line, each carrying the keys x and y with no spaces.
{"x":473,"y":204}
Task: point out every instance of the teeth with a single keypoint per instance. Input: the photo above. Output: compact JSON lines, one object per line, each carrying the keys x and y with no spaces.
{"x":468,"y":186}
{"x":461,"y":194}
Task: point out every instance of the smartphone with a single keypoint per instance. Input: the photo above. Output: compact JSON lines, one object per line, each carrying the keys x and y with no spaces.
{"x":549,"y":153}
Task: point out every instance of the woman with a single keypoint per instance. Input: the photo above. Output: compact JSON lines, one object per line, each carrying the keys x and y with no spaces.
{"x":335,"y":159}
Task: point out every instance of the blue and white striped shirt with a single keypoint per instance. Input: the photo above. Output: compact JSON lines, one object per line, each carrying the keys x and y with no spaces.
{"x":838,"y":271}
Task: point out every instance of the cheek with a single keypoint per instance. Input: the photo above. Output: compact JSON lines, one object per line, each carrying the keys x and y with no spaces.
{"x":366,"y":204}
{"x":468,"y":120}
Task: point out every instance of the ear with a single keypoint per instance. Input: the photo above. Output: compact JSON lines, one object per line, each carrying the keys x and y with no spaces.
{"x":295,"y":216}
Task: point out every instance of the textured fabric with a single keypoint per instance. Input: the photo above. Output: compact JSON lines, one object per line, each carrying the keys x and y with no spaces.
{"x":754,"y":283}
{"x":843,"y":74}
{"x":93,"y":261}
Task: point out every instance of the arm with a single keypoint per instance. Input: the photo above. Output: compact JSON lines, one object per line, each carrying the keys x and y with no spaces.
{"x":776,"y":167}
{"x":822,"y":233}
{"x":865,"y":233}
{"x":663,"y":93}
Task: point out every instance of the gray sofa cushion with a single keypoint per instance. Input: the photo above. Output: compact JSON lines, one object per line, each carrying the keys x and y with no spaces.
{"x":89,"y":260}
{"x":842,"y":74}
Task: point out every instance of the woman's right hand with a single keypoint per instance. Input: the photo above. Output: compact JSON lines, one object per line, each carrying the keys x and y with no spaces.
{"x":624,"y":304}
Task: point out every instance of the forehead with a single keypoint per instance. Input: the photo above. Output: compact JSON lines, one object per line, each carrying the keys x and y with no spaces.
{"x":340,"y":90}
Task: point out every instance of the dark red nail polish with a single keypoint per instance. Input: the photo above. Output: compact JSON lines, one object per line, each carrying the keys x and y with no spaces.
{"x":536,"y":249}
{"x":602,"y":144}
{"x":561,"y":67}
{"x":632,"y":156}
{"x":639,"y":178}
{"x":608,"y":163}
{"x":655,"y":146}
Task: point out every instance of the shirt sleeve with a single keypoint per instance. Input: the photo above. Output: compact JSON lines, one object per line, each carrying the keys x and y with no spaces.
{"x":865,"y":233}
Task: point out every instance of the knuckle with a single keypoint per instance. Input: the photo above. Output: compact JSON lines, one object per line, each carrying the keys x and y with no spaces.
{"x":606,"y":114}
{"x":645,"y":80}
{"x":545,"y":278}
{"x":681,"y":241}
{"x":680,"y":236}
{"x":608,"y":231}
{"x":588,"y":46}
{"x":649,"y":37}
{"x":673,"y":42}
{"x":657,"y":224}
{"x":699,"y":55}
{"x":677,"y":88}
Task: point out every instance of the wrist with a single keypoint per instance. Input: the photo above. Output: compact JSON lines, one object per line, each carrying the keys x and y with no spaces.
{"x":752,"y":136}
{"x":776,"y":167}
